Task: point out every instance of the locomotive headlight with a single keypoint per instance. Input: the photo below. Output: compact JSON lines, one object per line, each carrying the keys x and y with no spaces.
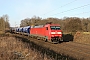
{"x":59,"y":32}
{"x":52,"y":32}
{"x":52,"y":35}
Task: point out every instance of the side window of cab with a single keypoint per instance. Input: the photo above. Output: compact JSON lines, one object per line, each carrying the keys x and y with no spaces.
{"x":46,"y":28}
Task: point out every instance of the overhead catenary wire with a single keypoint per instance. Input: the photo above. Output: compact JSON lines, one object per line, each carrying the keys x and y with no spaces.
{"x":73,"y":9}
{"x":81,"y":13}
{"x":60,"y":7}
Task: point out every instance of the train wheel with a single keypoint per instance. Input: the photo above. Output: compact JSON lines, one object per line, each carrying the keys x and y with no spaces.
{"x":51,"y":40}
{"x":59,"y":41}
{"x":46,"y":40}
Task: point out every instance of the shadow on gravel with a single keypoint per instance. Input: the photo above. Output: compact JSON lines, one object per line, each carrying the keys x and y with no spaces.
{"x":68,"y":37}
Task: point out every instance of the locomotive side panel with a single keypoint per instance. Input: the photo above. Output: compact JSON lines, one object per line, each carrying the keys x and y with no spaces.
{"x":38,"y":31}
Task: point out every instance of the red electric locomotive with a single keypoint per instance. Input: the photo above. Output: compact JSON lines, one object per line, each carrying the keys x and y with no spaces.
{"x":50,"y":32}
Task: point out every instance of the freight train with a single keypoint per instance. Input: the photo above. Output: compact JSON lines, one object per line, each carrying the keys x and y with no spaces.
{"x":48,"y":32}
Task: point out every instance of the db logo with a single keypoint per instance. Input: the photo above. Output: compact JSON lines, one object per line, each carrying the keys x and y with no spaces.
{"x":55,"y":32}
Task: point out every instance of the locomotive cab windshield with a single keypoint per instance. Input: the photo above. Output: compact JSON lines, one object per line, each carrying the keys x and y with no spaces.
{"x":55,"y":27}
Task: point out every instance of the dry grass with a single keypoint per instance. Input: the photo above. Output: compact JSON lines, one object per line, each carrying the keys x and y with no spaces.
{"x":12,"y":48}
{"x":1,"y":32}
{"x":86,"y":32}
{"x":82,"y":38}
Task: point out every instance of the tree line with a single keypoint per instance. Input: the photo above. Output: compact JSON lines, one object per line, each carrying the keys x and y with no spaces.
{"x":4,"y":23}
{"x":68,"y":24}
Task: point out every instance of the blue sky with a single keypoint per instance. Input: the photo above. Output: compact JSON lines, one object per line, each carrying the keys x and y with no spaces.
{"x":21,"y":9}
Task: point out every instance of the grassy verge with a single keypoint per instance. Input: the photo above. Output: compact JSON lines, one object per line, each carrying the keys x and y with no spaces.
{"x":82,"y":37}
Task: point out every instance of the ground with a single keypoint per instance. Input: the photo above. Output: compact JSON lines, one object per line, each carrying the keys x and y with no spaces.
{"x":82,"y":37}
{"x":13,"y":48}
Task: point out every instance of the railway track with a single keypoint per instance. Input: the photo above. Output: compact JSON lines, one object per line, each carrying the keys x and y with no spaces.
{"x":72,"y":49}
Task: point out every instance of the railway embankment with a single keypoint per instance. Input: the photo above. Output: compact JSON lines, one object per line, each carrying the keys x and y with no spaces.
{"x":46,"y":48}
{"x":63,"y":51}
